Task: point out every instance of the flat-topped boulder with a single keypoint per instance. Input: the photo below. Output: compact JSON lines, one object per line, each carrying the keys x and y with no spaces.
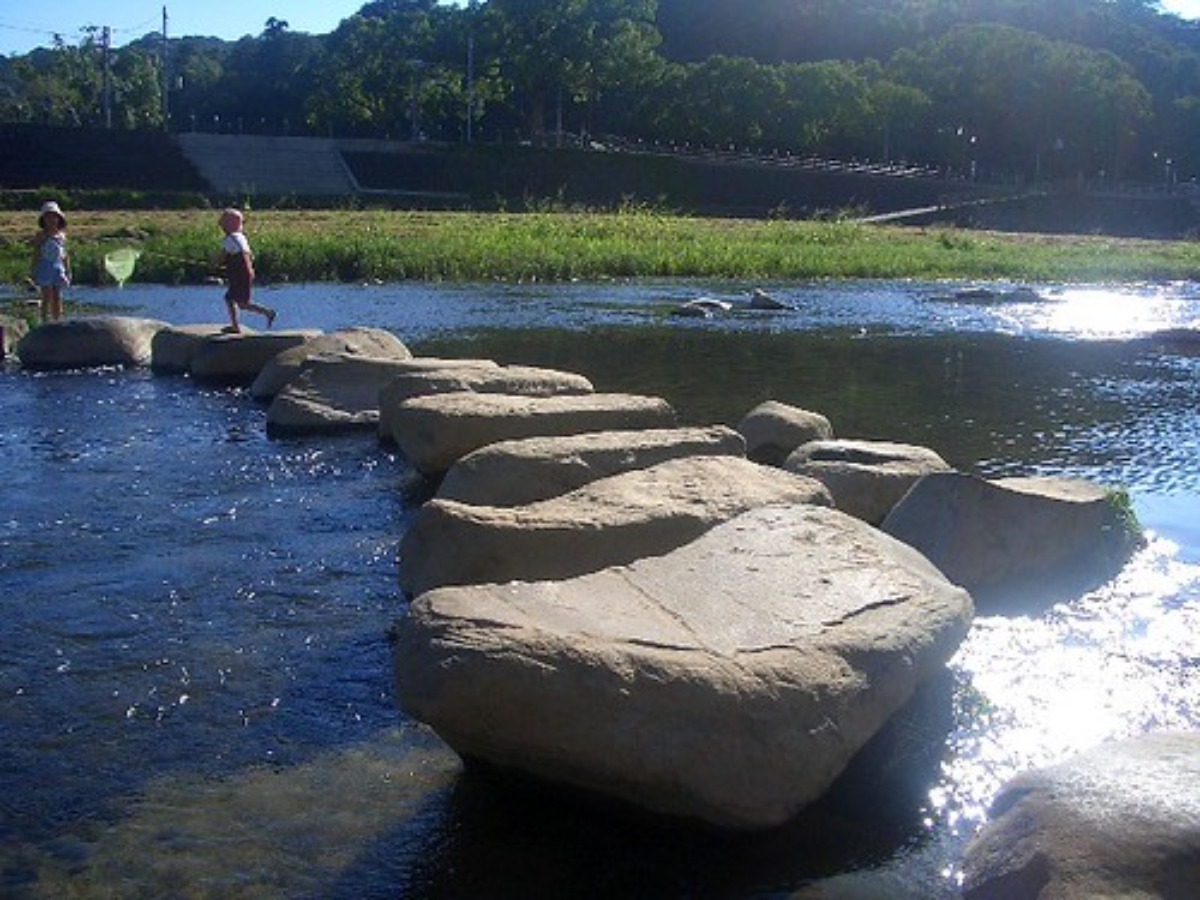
{"x":1120,"y":820}
{"x":481,"y":376}
{"x":509,"y":473}
{"x":332,"y":393}
{"x":773,"y":430}
{"x":435,"y":430}
{"x":238,"y":358}
{"x":1013,"y":540}
{"x":173,"y":347}
{"x":88,"y":342}
{"x":866,"y":478}
{"x":728,"y":681}
{"x":608,"y":522}
{"x":376,"y":343}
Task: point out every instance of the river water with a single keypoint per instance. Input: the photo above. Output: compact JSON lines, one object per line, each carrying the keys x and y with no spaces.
{"x":195,"y":695}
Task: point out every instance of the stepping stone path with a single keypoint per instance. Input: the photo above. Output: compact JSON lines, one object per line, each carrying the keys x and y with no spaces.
{"x":607,"y":601}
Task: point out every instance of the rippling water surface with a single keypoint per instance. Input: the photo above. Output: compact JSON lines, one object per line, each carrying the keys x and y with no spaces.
{"x":195,"y":692}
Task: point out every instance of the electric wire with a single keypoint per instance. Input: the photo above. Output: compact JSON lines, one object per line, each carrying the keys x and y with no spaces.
{"x":62,"y":34}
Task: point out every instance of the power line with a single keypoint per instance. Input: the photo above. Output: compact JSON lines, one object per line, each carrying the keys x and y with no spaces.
{"x":61,"y":34}
{"x":29,"y":29}
{"x":141,"y":28}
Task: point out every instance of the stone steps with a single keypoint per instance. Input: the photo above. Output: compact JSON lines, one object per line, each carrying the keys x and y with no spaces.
{"x":253,"y":164}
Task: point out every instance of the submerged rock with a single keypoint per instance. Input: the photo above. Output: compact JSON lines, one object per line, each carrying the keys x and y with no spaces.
{"x":702,"y":308}
{"x":729,"y":681}
{"x":761,"y":300}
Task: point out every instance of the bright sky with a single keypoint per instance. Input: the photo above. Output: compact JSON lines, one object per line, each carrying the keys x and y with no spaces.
{"x":24,"y":26}
{"x":1188,"y":9}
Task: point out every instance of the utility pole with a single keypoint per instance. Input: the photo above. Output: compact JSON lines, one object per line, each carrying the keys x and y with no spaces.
{"x":470,"y":70}
{"x":470,"y":82}
{"x":164,"y":64}
{"x":106,"y":50}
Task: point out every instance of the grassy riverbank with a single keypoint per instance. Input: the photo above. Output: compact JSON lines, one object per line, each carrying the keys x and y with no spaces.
{"x":351,"y":245}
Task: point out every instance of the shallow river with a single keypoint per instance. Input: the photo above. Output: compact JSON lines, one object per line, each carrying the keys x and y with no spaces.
{"x":195,"y":695}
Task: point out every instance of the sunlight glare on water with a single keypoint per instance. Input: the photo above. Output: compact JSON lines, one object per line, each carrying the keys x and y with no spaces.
{"x":1105,"y":666}
{"x":1101,"y":313}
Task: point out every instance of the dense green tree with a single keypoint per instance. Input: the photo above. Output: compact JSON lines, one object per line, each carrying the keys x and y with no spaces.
{"x":897,"y":117}
{"x":195,"y":67}
{"x":1008,"y":88}
{"x":559,"y":52}
{"x":85,"y":84}
{"x":136,"y":89}
{"x":266,"y":81}
{"x":1012,"y":100}
{"x":399,"y":69}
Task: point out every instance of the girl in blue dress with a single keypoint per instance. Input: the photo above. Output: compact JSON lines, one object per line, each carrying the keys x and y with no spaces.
{"x":51,"y":265}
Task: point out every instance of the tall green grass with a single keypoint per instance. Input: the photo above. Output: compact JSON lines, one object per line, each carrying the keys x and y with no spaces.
{"x":541,"y":245}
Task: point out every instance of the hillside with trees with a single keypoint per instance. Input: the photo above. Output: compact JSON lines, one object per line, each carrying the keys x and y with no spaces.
{"x":1013,"y":91}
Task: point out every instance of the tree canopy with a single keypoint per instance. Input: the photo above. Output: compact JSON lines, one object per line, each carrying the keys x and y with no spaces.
{"x":1013,"y":89}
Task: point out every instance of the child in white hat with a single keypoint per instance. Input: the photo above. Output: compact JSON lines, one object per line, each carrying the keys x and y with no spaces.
{"x":51,"y":265}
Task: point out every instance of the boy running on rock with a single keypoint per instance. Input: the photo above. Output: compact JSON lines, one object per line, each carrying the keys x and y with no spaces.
{"x":239,"y":271}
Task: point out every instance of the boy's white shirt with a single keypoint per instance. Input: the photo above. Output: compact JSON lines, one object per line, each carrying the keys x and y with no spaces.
{"x":235,"y":242}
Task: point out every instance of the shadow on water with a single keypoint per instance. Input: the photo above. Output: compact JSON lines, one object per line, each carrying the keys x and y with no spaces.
{"x":501,"y":835}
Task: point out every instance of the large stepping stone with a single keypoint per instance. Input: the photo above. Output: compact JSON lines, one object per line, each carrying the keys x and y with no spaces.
{"x":237,"y":359}
{"x":376,"y":343}
{"x":604,"y":523}
{"x":773,"y":430}
{"x":1014,"y":540}
{"x":333,"y":393}
{"x":866,"y":478}
{"x":482,"y":376}
{"x":1120,"y":820}
{"x":510,"y":473}
{"x":729,"y":681}
{"x":90,"y":342}
{"x":173,"y":347}
{"x":435,"y":430}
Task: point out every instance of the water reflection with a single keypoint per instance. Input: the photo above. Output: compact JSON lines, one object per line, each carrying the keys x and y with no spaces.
{"x":1120,"y":413}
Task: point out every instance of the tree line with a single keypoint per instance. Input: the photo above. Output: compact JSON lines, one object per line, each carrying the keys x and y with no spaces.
{"x":1022,"y":90}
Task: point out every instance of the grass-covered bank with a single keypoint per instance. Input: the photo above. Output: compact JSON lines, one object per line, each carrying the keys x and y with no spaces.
{"x":179,"y":246}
